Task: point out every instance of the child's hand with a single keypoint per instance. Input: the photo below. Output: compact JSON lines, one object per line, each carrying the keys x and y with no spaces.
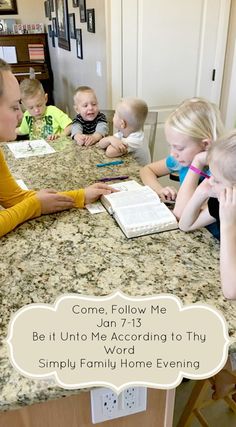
{"x":51,"y":201}
{"x":200,"y":160}
{"x":52,"y":137}
{"x":95,"y":191}
{"x":104,"y":142}
{"x":167,"y":194}
{"x":80,"y":138}
{"x":227,"y":201}
{"x":118,"y":145}
{"x":92,"y":139}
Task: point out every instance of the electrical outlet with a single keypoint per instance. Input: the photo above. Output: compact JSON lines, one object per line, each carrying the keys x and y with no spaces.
{"x":130,"y":397}
{"x":107,"y":405}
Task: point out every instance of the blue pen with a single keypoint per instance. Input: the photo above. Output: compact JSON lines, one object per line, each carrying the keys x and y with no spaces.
{"x":115,"y":162}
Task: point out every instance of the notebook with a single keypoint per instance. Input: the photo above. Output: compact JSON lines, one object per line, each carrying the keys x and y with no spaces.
{"x":138,"y":210}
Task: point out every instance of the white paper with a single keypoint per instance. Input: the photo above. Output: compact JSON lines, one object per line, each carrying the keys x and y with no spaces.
{"x":37,"y":147}
{"x":95,"y":208}
{"x":9,"y":53}
{"x":21,"y":184}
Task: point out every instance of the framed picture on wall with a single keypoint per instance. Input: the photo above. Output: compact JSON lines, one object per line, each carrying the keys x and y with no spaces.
{"x":50,"y":30}
{"x":51,"y":2}
{"x":46,"y":8}
{"x":8,"y":7}
{"x":49,"y":10}
{"x":82,"y":10}
{"x":62,"y":24}
{"x":54,"y":26}
{"x":91,"y":20}
{"x":79,"y":44}
{"x":53,"y":39}
{"x":75,"y":3}
{"x":72,"y":25}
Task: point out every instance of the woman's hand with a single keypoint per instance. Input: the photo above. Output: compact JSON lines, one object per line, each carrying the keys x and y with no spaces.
{"x":95,"y":191}
{"x":52,"y":201}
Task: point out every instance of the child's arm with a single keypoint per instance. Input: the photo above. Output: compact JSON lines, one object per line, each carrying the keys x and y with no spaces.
{"x":92,"y":139}
{"x":18,"y":132}
{"x":114,"y":146}
{"x":228,"y":242}
{"x":100,"y":132}
{"x":67,"y":130}
{"x":189,"y":184}
{"x":196,"y":214}
{"x":149,"y":176}
{"x":77,"y":133}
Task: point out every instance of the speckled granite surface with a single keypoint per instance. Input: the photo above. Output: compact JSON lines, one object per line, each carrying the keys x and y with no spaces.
{"x":88,"y":254}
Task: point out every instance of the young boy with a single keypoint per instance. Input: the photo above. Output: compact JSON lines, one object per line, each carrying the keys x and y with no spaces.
{"x":39,"y":120}
{"x":89,"y":126}
{"x":128,"y":119}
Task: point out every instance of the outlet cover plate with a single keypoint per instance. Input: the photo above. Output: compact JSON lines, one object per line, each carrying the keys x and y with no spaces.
{"x":107,"y":405}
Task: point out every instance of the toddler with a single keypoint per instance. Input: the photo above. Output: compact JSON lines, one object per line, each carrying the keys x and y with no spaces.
{"x":39,"y":120}
{"x":129,"y":120}
{"x":189,"y":130}
{"x":214,"y":201}
{"x":89,"y":126}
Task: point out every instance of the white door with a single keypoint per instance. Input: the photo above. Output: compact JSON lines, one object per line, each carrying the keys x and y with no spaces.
{"x":167,"y":50}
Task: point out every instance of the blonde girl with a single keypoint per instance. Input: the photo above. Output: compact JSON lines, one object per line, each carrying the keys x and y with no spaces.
{"x":214,"y":201}
{"x":189,"y":130}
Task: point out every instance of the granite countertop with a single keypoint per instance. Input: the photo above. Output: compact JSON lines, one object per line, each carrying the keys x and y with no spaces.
{"x":88,"y":254}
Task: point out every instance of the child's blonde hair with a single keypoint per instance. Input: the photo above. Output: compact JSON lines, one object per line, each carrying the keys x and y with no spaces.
{"x":82,"y":89}
{"x":30,"y":87}
{"x":134,"y":111}
{"x":197,"y":118}
{"x":223,"y":155}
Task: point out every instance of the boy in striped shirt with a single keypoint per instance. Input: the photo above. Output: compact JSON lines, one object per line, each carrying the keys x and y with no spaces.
{"x":89,"y":126}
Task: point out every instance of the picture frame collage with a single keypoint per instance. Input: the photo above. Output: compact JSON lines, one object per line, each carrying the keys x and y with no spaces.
{"x":63,"y":24}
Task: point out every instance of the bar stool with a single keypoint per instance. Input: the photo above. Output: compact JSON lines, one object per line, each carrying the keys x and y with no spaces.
{"x":197,"y":401}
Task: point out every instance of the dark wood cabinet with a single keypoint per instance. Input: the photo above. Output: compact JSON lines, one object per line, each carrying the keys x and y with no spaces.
{"x":21,"y":69}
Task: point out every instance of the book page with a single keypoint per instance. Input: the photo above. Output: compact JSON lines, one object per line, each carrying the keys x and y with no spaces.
{"x":147,"y":216}
{"x":131,"y":198}
{"x":24,"y":149}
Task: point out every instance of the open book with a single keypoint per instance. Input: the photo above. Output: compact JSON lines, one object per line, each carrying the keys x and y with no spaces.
{"x":138,"y":210}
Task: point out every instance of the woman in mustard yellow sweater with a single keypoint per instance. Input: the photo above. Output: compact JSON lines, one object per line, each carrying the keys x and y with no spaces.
{"x":21,"y":205}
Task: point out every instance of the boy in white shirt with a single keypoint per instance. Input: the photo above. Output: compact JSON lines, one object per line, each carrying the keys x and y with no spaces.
{"x":128,"y":119}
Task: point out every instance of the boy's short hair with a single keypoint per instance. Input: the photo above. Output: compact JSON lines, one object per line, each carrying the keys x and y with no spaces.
{"x":134,"y":111}
{"x":81,"y":89}
{"x":197,"y":118}
{"x":223,"y":154}
{"x":4,"y":66}
{"x":30,"y":87}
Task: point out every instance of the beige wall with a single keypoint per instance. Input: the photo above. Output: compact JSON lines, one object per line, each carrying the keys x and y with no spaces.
{"x":69,"y":71}
{"x":28,"y":12}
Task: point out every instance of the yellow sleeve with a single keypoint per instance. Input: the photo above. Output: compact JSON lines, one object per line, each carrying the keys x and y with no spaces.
{"x":77,"y":195}
{"x":20,"y":205}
